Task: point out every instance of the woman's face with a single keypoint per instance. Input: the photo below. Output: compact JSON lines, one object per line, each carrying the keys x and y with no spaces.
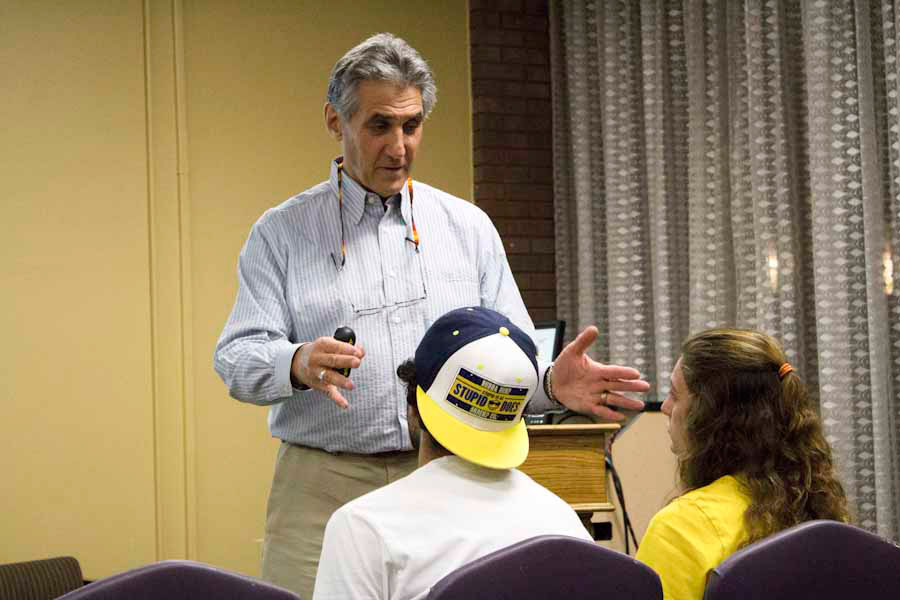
{"x":676,"y":407}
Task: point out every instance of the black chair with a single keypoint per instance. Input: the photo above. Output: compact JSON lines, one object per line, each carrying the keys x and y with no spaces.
{"x":40,"y":579}
{"x":179,"y":580}
{"x":551,"y":566}
{"x":820,"y":559}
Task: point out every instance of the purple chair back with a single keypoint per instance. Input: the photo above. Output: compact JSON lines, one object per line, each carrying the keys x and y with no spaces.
{"x":550,"y":566}
{"x":820,"y":559}
{"x":179,"y":579}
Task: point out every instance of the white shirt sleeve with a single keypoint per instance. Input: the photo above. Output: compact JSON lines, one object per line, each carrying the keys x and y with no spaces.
{"x":253,"y":355}
{"x":500,"y":292}
{"x":498,"y":286}
{"x":352,"y":561}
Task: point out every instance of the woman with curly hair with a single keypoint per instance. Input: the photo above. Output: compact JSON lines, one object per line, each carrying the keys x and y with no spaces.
{"x":752,"y":457}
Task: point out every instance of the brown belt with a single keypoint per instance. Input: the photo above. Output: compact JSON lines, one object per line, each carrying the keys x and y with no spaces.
{"x":385,"y":454}
{"x":391,"y":453}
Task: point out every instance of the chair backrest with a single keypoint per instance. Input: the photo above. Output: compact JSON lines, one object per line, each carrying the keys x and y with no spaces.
{"x":40,"y":579}
{"x":551,"y":566}
{"x":179,"y":579}
{"x":818,"y":559}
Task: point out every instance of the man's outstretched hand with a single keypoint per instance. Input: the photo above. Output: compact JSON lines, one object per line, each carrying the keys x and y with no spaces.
{"x":588,"y":387}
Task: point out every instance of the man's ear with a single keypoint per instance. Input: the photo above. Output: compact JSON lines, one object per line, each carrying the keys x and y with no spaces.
{"x":333,"y":122}
{"x":414,"y":424}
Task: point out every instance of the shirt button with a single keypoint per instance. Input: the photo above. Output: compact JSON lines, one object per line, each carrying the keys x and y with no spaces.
{"x":395,"y":318}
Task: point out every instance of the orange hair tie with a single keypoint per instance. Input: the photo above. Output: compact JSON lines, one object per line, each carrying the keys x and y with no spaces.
{"x":784,"y":370}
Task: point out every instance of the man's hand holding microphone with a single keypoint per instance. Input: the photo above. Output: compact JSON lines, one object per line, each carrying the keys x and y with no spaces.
{"x":325,"y":364}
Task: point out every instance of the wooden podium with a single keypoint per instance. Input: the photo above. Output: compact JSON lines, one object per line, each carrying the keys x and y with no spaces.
{"x":569,"y":461}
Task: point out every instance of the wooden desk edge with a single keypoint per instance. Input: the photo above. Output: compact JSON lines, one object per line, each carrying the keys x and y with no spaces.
{"x":593,"y":507}
{"x":572,"y":429}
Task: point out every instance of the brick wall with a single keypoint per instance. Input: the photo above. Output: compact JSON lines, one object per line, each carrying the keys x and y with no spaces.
{"x":513,"y":139}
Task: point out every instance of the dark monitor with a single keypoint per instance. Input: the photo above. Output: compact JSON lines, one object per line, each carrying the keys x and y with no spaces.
{"x":548,"y":337}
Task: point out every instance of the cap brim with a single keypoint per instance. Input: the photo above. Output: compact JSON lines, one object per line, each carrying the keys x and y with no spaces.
{"x":495,"y":449}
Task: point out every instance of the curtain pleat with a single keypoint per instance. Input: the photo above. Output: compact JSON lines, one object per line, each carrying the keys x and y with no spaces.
{"x":725,"y":163}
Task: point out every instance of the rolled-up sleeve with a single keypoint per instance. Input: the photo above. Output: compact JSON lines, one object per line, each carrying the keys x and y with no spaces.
{"x":254,"y":353}
{"x":500,"y":292}
{"x":498,"y":286}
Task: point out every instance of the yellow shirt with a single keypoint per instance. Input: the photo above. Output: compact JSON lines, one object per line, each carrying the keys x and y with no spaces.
{"x":693,"y":535}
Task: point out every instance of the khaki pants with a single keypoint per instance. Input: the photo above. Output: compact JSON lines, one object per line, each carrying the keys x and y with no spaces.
{"x":310,"y":484}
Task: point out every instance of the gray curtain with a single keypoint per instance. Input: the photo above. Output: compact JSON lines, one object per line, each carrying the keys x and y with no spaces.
{"x":738,"y":163}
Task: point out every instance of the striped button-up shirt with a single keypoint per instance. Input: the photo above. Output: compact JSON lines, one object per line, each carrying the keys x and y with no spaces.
{"x":292,"y":289}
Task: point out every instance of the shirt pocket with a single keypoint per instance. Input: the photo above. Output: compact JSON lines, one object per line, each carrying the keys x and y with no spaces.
{"x":377,"y":285}
{"x":316,"y":300}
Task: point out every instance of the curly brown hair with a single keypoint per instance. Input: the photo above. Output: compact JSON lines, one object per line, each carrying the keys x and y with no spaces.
{"x":745,"y":420}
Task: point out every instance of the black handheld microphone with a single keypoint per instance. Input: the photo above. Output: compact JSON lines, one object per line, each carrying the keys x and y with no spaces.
{"x":345,"y":334}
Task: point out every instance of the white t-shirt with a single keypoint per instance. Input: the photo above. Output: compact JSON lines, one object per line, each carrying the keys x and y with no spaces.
{"x":396,"y":542}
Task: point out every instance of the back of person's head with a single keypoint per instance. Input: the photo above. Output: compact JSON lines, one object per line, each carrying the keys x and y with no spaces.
{"x":750,"y":415}
{"x":417,"y":430}
{"x":382,"y":57}
{"x":473,"y":374}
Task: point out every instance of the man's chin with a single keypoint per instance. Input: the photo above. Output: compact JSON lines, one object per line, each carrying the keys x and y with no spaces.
{"x":391,"y":185}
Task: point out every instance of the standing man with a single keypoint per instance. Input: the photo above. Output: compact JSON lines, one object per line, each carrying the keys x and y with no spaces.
{"x":373,"y":250}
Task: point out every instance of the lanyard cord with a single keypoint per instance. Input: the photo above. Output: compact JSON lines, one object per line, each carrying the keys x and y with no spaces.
{"x":412,"y":214}
{"x":340,"y":170}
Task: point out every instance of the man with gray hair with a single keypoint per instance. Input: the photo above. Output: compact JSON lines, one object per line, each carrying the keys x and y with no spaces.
{"x":372,"y":250}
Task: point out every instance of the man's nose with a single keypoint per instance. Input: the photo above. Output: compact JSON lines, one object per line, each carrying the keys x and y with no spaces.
{"x":396,"y":148}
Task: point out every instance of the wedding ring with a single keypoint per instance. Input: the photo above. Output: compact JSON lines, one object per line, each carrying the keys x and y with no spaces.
{"x":322,"y":375}
{"x":603,"y":396}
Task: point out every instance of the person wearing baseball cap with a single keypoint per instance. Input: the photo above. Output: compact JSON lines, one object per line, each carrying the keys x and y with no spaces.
{"x":472,"y":377}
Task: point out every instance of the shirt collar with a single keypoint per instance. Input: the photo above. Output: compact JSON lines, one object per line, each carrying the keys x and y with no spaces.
{"x":355,"y":195}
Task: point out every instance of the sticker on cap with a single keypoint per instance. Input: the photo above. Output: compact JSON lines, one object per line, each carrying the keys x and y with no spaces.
{"x":486,"y":399}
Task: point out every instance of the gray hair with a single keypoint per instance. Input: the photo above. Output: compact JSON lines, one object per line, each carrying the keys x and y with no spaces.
{"x":382,"y":57}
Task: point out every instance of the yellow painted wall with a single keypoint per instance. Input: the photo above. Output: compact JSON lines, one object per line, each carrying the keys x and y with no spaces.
{"x":140,"y":141}
{"x":76,"y":386}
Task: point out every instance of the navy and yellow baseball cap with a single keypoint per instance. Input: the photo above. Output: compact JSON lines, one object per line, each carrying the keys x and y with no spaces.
{"x":475,"y":372}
